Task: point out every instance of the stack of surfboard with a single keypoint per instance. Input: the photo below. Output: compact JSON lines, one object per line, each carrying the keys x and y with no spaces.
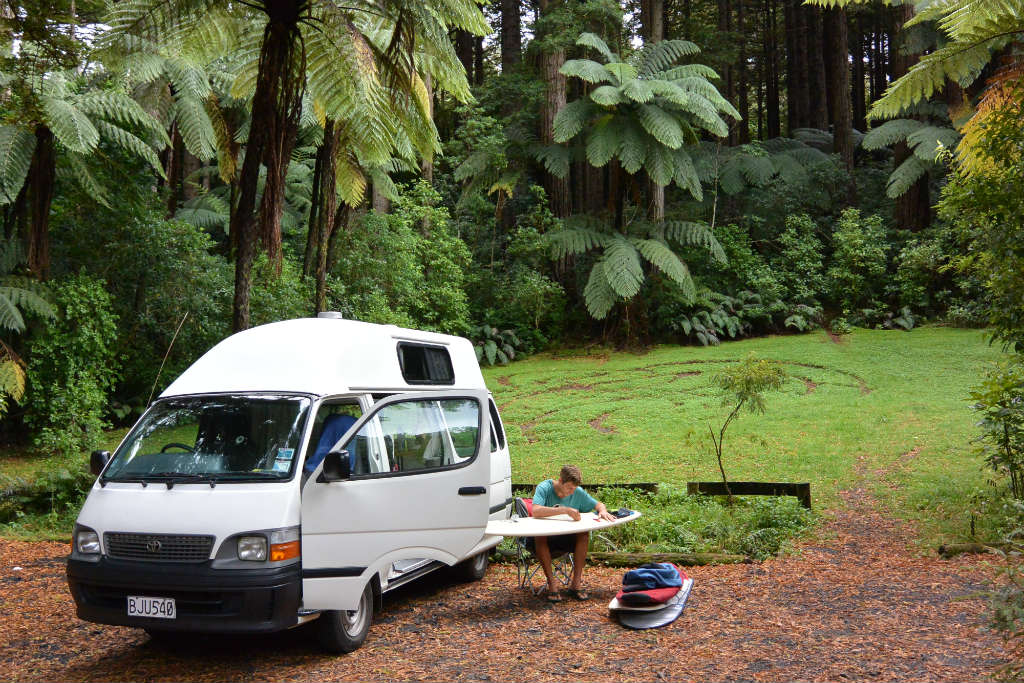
{"x":652,"y":595}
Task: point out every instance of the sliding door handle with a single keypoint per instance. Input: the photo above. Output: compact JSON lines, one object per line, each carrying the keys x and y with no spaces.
{"x":472,"y":491}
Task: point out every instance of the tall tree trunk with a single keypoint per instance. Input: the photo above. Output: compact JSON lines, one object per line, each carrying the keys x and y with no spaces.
{"x":773,"y":121}
{"x":42,"y":174}
{"x":427,"y":166}
{"x":797,"y":94}
{"x":173,"y":170}
{"x":839,"y":87}
{"x":329,"y":199}
{"x":817,"y":112}
{"x":511,"y":34}
{"x":559,"y":198}
{"x":464,"y":48}
{"x":857,"y":92}
{"x":724,"y":28}
{"x":741,"y":74}
{"x":276,"y":108}
{"x":913,"y":208}
{"x":478,"y":60}
{"x":309,"y":253}
{"x":655,"y":32}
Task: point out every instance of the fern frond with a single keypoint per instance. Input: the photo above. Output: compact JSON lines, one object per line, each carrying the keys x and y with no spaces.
{"x":350,"y":180}
{"x":638,"y":91}
{"x":571,"y":119}
{"x":131,"y":144}
{"x":70,"y":125}
{"x":632,"y":151}
{"x":29,"y":295}
{"x":17,"y":145}
{"x":928,"y":140}
{"x":660,"y":165}
{"x":657,"y":57}
{"x":594,"y":42}
{"x":890,"y":133}
{"x":622,"y":267}
{"x":574,"y":241}
{"x":12,"y":381}
{"x":555,"y":158}
{"x":686,"y":175}
{"x":695,"y":235}
{"x":905,"y":175}
{"x":587,"y":70}
{"x":667,"y":261}
{"x":602,"y":142}
{"x":690,"y":71}
{"x":607,"y":95}
{"x":80,"y":173}
{"x":661,"y":125}
{"x":598,"y":294}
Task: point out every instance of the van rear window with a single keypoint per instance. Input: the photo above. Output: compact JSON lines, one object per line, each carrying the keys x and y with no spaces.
{"x":425,"y":364}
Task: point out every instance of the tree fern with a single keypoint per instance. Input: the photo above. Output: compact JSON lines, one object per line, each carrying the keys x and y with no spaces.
{"x":622,"y":267}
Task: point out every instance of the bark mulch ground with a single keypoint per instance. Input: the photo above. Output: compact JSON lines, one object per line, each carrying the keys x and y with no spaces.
{"x":857,"y":606}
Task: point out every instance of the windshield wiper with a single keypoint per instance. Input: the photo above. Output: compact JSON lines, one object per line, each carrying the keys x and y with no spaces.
{"x":172,"y":478}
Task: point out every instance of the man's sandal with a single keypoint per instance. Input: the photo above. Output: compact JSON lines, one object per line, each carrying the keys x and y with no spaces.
{"x":555,"y":596}
{"x":578,"y":594}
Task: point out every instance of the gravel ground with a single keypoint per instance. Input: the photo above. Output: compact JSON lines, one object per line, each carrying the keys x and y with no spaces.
{"x":857,"y":606}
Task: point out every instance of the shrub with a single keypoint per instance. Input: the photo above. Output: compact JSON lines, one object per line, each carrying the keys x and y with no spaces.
{"x":858,"y":261}
{"x":73,"y":367}
{"x":999,"y":399}
{"x":798,"y":266}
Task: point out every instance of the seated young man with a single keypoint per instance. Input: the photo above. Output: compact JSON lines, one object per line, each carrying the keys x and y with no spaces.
{"x":565,"y":497}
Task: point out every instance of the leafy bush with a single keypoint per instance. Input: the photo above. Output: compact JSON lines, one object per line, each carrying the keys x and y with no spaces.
{"x":858,"y":261}
{"x":798,"y":266}
{"x":999,"y":400}
{"x":73,"y":367}
{"x":53,"y":492}
{"x":493,"y":345}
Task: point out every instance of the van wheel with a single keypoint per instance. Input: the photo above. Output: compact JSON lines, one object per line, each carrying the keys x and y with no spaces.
{"x":475,"y":567}
{"x":343,"y":631}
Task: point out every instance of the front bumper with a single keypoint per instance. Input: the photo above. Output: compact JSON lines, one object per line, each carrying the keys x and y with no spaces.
{"x":207,"y":600}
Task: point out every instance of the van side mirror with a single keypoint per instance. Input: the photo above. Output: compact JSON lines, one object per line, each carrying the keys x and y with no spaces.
{"x":336,"y":466}
{"x":98,"y":460}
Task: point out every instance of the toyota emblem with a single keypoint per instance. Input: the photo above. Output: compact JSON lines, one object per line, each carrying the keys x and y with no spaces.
{"x":153,"y":546}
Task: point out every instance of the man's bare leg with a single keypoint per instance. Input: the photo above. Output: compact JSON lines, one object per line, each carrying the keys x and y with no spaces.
{"x":579,"y":558}
{"x":543,"y":553}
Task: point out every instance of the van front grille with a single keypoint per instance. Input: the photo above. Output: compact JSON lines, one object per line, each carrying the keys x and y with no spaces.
{"x":158,"y":547}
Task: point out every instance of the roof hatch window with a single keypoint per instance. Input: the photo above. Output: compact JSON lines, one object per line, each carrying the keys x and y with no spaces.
{"x":423,"y":364}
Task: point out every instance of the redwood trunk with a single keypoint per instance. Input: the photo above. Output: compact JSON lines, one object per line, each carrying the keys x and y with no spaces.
{"x":817,"y":112}
{"x":797,"y":94}
{"x":559,"y":198}
{"x":511,"y":34}
{"x":42,"y":174}
{"x":913,"y":208}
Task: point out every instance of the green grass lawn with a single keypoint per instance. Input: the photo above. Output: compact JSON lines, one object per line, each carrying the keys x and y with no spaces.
{"x":878,"y":400}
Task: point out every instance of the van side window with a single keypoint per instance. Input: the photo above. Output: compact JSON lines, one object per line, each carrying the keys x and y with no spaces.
{"x":497,"y":433}
{"x":423,"y":364}
{"x":332,"y":421}
{"x":421,"y":435}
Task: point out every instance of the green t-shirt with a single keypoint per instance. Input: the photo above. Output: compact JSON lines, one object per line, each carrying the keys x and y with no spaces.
{"x":545,"y":495}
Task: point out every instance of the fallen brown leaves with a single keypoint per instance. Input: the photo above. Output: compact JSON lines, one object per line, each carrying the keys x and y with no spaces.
{"x":855,"y":607}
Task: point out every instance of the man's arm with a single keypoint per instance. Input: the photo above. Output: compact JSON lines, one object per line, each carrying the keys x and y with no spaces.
{"x":541,"y":511}
{"x":602,"y":512}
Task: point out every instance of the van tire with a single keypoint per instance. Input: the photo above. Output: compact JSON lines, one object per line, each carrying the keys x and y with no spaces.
{"x":343,"y":631}
{"x":475,"y":568}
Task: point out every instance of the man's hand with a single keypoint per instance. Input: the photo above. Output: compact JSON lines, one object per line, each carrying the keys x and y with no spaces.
{"x":572,"y":512}
{"x":606,"y":516}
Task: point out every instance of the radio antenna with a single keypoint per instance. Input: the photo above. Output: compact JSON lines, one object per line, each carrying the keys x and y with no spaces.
{"x":167,"y":353}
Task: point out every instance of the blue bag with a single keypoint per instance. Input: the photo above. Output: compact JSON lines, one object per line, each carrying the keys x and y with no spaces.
{"x":650,"y":576}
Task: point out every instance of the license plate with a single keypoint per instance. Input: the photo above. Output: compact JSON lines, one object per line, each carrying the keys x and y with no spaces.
{"x":158,"y":608}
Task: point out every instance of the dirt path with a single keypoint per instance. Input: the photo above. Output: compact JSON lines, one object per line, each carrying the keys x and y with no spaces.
{"x":855,"y":607}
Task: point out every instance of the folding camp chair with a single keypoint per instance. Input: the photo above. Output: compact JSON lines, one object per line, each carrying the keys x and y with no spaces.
{"x":527,"y":564}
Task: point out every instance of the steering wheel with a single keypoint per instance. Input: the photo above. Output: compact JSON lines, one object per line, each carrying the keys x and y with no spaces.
{"x":176,"y":445}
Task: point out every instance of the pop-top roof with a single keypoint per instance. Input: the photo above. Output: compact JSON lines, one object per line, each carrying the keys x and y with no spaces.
{"x":320,"y":356}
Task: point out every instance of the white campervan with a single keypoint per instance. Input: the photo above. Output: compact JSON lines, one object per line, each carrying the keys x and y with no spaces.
{"x":297,"y":471}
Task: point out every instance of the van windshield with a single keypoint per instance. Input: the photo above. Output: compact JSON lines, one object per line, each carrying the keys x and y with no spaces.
{"x":213,"y":438}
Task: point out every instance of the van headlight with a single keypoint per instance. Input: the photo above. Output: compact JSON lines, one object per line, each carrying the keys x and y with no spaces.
{"x":252,"y":548}
{"x":87,"y":541}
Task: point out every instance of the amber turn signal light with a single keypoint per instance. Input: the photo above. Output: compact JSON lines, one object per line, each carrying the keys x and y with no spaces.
{"x":284,"y":551}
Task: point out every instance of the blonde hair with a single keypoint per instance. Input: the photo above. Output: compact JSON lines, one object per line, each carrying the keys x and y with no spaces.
{"x":571,"y":473}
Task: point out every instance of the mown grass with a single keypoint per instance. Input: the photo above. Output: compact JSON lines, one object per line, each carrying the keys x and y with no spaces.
{"x":885,"y":408}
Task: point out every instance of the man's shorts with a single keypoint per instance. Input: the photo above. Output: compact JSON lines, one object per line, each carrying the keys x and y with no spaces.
{"x":559,"y":545}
